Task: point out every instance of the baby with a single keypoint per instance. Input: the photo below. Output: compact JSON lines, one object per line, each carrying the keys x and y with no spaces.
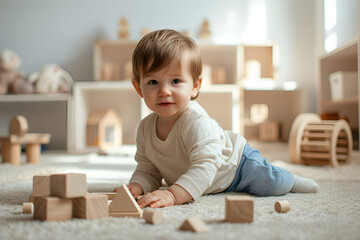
{"x":181,"y":144}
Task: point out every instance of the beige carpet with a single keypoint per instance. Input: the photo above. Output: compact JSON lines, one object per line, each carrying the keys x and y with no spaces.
{"x":332,"y":213}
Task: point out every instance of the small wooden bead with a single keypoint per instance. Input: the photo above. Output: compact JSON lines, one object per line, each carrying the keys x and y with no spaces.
{"x":153,"y":216}
{"x":282,"y":206}
{"x":28,"y":207}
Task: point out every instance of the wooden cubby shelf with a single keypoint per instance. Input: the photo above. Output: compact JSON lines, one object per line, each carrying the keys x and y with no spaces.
{"x":344,"y":58}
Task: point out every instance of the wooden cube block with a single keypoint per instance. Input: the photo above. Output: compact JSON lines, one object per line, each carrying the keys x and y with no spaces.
{"x":52,"y":209}
{"x":41,"y":185}
{"x":91,"y":206}
{"x":153,"y":216}
{"x":269,"y":131}
{"x":239,"y":209}
{"x":68,"y":185}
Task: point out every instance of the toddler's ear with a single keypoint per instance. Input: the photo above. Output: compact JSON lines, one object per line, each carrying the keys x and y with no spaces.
{"x":137,"y":87}
{"x":197,"y":86}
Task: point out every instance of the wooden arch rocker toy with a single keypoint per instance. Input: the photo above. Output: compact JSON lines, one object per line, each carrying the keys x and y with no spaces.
{"x":314,"y":141}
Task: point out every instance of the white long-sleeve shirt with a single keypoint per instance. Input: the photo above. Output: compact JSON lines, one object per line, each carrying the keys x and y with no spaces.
{"x":197,"y":155}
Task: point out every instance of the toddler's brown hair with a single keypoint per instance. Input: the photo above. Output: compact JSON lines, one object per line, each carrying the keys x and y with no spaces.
{"x":158,"y":48}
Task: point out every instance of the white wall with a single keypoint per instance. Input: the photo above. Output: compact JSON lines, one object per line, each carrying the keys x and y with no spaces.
{"x":345,"y":20}
{"x":64,"y":32}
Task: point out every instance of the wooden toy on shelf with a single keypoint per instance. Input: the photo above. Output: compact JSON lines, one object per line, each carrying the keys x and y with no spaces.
{"x":239,"y":209}
{"x":124,"y":205}
{"x":218,"y":75}
{"x":319,"y":142}
{"x":194,"y":224}
{"x":104,"y":129}
{"x":123,"y":31}
{"x":128,"y":74}
{"x":205,"y":30}
{"x":269,"y":131}
{"x":153,"y":216}
{"x":11,"y":144}
{"x":110,"y":71}
{"x":282,"y":206}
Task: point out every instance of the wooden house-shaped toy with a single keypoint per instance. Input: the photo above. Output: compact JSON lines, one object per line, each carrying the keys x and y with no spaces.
{"x":104,"y":129}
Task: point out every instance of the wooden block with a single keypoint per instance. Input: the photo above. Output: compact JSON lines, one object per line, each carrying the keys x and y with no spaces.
{"x":269,"y":131}
{"x":41,"y":185}
{"x":91,"y":206}
{"x":194,"y":224}
{"x":33,"y":153}
{"x":282,"y":206}
{"x":18,"y":125}
{"x":239,"y":209}
{"x":52,"y":209}
{"x":124,"y":204}
{"x":153,"y":216}
{"x":32,"y":198}
{"x":28,"y":207}
{"x":68,"y":185}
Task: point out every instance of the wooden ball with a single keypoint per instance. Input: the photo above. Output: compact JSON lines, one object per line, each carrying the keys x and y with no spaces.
{"x":282,"y":206}
{"x":153,"y":216}
{"x":18,"y":125}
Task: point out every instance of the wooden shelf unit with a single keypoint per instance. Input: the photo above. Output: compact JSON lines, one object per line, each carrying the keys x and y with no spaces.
{"x":108,"y":51}
{"x":284,"y":106}
{"x":344,"y":58}
{"x":265,"y":54}
{"x":118,"y":95}
{"x":122,"y":97}
{"x":225,"y":56}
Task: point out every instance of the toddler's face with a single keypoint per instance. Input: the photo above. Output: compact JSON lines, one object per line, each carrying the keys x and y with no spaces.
{"x":169,"y":90}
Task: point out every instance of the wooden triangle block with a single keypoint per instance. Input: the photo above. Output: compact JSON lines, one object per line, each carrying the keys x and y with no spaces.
{"x":124,"y":204}
{"x":194,"y":224}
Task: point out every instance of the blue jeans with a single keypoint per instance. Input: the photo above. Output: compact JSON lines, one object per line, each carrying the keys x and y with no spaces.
{"x":255,"y":175}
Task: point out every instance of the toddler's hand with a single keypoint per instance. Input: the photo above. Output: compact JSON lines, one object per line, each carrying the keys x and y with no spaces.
{"x":134,"y":188}
{"x":156,"y":199}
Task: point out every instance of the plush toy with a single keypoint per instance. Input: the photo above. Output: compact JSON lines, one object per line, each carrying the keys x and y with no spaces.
{"x":12,"y":81}
{"x":50,"y":79}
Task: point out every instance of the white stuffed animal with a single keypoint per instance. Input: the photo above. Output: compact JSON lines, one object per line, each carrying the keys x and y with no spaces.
{"x":50,"y":79}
